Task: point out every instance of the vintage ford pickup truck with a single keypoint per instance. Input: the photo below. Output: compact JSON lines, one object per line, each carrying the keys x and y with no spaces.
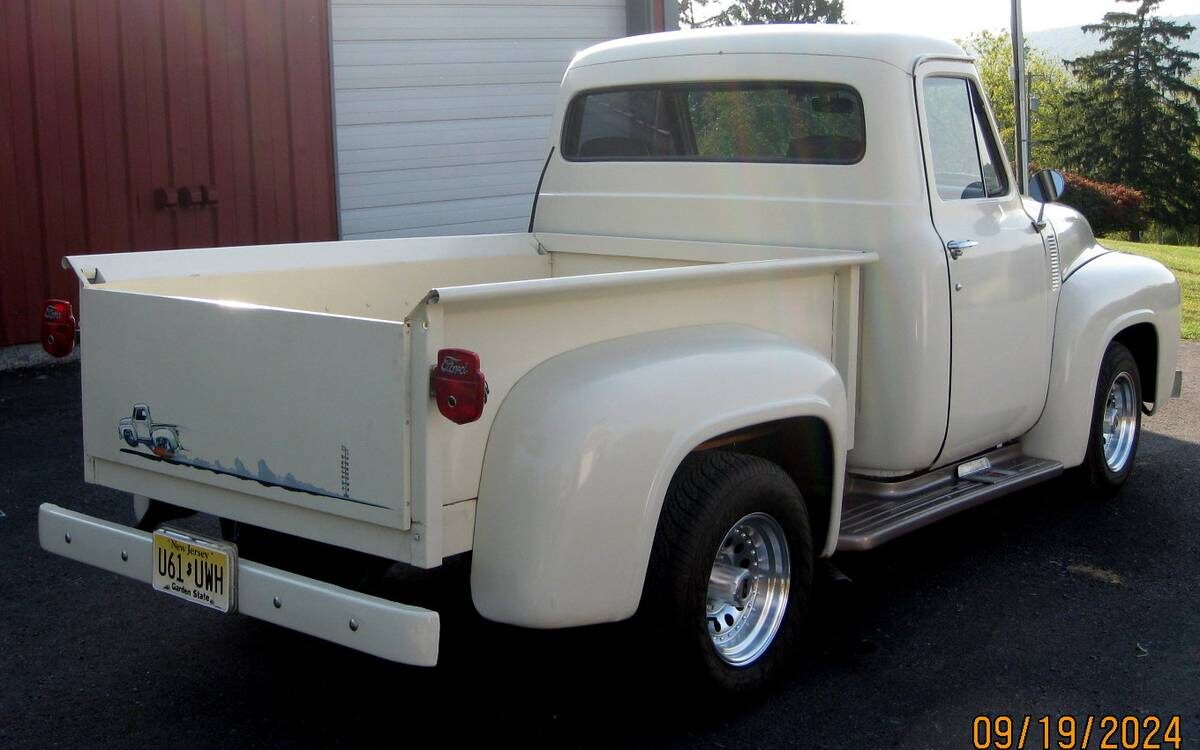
{"x":779,"y":297}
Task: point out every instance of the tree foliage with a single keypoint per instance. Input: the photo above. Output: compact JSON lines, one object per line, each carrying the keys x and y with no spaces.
{"x":692,"y":12}
{"x":1135,"y":119}
{"x":1049,"y":83}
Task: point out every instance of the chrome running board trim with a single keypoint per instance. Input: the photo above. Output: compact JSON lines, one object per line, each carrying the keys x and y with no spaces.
{"x":875,"y":512}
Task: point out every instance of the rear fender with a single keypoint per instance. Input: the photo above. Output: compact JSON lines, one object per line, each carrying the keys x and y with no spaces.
{"x":1108,"y":295}
{"x":584,"y":446}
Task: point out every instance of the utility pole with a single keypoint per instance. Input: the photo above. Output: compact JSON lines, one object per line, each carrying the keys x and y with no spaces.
{"x":1020,"y":101}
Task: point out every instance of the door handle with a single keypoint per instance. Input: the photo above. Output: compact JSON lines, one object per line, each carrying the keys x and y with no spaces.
{"x":956,"y":247}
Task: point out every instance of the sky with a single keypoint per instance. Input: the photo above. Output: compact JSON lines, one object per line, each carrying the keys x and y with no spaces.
{"x":958,"y":18}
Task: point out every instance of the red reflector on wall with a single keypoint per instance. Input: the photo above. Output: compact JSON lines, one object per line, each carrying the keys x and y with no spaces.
{"x":58,"y":327}
{"x":460,"y":388}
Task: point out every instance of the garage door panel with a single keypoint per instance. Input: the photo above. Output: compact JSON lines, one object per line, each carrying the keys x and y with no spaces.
{"x":421,"y":106}
{"x":352,"y":137}
{"x":474,"y":3}
{"x":383,"y":22}
{"x":434,"y":51}
{"x":422,"y":75}
{"x":431,"y":215}
{"x":379,"y":179}
{"x":443,"y":109}
{"x":487,"y":226}
{"x":439,"y":186}
{"x":442,"y":155}
{"x":439,"y":96}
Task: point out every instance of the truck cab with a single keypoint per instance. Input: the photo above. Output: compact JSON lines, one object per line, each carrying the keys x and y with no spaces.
{"x":780,"y":297}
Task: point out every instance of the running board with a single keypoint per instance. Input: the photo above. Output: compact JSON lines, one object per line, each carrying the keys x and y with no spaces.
{"x":875,"y":512}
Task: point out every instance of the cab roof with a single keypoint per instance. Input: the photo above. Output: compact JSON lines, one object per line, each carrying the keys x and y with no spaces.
{"x":900,"y":50}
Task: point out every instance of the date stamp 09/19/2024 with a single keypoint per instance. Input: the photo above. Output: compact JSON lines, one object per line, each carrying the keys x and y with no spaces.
{"x":1108,"y":732}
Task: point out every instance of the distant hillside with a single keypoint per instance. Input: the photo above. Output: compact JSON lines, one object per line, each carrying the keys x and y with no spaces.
{"x":1070,"y":42}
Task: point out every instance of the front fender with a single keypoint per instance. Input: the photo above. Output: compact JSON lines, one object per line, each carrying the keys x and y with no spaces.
{"x":1107,"y":295}
{"x":583,"y":447}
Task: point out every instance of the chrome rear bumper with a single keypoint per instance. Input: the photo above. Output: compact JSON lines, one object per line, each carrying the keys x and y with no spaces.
{"x":392,"y":631}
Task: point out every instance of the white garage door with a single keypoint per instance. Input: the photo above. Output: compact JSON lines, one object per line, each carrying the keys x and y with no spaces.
{"x":443,"y":108}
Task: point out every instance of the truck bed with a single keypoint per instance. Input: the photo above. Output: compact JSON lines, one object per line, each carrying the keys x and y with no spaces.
{"x":296,"y":377}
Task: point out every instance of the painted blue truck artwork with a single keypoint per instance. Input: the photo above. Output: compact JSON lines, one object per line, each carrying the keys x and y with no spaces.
{"x":139,"y":429}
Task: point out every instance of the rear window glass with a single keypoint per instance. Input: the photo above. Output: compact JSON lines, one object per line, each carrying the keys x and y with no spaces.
{"x":805,"y":123}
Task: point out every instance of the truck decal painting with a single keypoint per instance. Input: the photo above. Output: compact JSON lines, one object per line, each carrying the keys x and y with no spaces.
{"x":139,"y":430}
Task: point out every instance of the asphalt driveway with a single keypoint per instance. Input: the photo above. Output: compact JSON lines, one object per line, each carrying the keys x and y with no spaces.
{"x":1043,"y":603}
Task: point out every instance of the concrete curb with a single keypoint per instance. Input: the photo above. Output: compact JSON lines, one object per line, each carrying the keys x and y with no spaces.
{"x":29,"y":356}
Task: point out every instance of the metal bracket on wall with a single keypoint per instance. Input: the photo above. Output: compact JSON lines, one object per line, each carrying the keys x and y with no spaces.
{"x":188,"y":196}
{"x":166,"y":197}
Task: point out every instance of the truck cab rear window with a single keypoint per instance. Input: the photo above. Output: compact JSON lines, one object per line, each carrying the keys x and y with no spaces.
{"x":803,"y":123}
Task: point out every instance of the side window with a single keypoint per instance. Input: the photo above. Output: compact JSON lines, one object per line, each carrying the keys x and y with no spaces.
{"x":636,"y":123}
{"x":966,"y":160}
{"x":995,"y":179}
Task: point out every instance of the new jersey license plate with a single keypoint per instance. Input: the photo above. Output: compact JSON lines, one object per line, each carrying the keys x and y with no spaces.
{"x":203,"y":571}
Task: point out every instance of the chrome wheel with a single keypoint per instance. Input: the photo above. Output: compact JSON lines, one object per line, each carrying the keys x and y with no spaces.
{"x":1120,"y":423}
{"x":748,"y":589}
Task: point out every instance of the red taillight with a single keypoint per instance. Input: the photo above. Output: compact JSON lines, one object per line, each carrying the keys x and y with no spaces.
{"x":58,"y":328}
{"x":460,"y":388}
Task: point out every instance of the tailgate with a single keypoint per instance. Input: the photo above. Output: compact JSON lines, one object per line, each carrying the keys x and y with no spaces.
{"x":297,"y":407}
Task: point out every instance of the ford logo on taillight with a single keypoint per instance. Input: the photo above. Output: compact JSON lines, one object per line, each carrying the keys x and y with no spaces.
{"x":58,"y":327}
{"x":459,"y":386}
{"x":451,"y":365}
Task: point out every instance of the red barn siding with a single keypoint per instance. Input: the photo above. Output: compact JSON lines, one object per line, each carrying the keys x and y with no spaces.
{"x":103,"y":101}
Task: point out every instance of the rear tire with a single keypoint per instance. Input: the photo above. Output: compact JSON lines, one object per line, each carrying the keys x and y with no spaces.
{"x":1116,"y":423}
{"x":730,"y":574}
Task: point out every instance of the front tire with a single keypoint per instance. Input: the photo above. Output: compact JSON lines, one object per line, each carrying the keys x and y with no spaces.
{"x":1116,"y":423}
{"x":731,"y":570}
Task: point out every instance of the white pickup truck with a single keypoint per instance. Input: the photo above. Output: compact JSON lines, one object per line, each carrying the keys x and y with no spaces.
{"x":779,"y":297}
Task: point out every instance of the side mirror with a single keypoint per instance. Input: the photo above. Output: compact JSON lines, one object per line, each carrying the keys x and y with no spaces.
{"x":1047,"y":186}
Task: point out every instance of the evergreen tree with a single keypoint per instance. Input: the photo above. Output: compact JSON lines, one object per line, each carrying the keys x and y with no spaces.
{"x":1134,"y":121}
{"x":776,"y":11}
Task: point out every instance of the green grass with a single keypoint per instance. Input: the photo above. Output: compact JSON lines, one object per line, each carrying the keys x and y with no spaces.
{"x":1184,"y":262}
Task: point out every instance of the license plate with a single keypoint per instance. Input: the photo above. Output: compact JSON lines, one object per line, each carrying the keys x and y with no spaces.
{"x":203,"y":571}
